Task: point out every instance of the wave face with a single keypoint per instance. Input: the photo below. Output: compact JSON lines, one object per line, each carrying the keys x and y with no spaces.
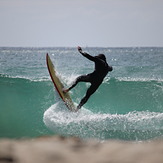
{"x":128,"y":105}
{"x":22,"y":105}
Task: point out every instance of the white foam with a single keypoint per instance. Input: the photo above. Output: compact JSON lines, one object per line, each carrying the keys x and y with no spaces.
{"x":34,"y":79}
{"x":139,"y":79}
{"x":85,"y":123}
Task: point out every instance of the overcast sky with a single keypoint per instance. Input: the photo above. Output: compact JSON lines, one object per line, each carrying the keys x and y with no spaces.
{"x":100,"y":23}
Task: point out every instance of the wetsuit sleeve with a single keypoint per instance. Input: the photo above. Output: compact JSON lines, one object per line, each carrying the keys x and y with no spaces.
{"x":88,"y":56}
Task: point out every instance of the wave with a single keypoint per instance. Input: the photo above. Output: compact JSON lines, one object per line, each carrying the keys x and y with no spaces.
{"x":86,"y":124}
{"x":130,"y":110}
{"x":113,"y":96}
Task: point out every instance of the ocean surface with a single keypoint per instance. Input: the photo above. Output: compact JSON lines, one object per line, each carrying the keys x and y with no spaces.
{"x":127,"y":106}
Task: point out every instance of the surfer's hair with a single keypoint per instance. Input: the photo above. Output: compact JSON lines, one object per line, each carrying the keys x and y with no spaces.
{"x":101,"y":56}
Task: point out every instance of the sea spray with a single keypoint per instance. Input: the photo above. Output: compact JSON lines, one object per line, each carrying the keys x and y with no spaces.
{"x":86,"y":124}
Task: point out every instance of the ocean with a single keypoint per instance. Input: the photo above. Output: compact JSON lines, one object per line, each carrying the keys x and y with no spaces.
{"x":127,"y":106}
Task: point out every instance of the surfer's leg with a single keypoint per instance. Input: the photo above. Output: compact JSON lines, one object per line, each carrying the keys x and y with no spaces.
{"x":89,"y":92}
{"x":83,"y":78}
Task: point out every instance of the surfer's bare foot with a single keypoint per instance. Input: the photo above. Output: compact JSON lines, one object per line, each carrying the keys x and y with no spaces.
{"x":65,"y":90}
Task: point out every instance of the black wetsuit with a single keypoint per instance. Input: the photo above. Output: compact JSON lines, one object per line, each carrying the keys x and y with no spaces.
{"x":95,"y":78}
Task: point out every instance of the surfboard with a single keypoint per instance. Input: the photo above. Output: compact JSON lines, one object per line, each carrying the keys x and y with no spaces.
{"x":59,"y":85}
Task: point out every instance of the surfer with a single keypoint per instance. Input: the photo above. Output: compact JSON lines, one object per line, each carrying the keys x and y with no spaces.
{"x":95,"y":78}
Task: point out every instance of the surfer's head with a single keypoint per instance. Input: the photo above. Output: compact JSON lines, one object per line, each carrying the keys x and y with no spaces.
{"x":101,"y":56}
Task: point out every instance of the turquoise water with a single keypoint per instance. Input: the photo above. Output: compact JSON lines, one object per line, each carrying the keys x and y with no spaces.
{"x":128,"y":105}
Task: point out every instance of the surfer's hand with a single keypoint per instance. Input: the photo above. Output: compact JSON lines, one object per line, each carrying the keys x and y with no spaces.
{"x":79,"y":49}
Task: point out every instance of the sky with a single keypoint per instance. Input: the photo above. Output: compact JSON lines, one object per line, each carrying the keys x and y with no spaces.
{"x":92,"y":23}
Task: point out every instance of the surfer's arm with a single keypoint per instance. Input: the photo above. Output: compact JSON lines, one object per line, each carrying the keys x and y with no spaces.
{"x":86,"y":54}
